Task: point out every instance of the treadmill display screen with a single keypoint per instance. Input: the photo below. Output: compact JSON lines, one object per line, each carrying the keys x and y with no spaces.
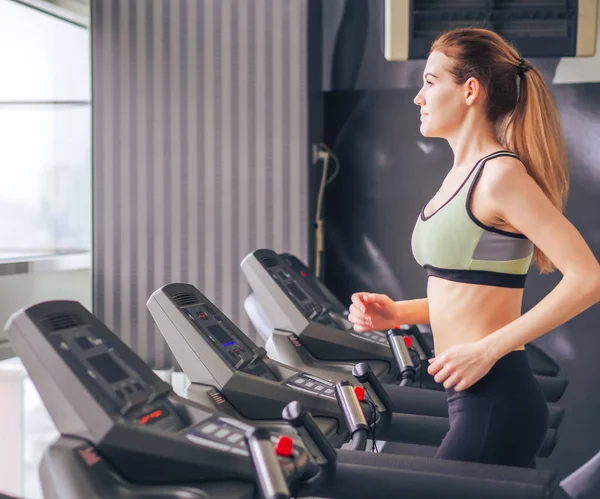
{"x":303,"y":297}
{"x":225,"y":339}
{"x":220,"y":334}
{"x":107,"y":368}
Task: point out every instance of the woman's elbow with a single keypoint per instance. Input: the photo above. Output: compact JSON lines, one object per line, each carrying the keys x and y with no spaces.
{"x":591,"y":283}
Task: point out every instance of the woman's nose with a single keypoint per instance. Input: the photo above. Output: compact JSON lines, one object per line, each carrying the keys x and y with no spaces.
{"x":418,"y":100}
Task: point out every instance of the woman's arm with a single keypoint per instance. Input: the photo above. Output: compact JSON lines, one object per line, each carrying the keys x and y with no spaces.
{"x":518,"y":200}
{"x":376,"y":312}
{"x":573,"y":294}
{"x":413,"y":311}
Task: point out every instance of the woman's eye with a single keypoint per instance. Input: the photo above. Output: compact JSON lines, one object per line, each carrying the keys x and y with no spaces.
{"x":428,"y":83}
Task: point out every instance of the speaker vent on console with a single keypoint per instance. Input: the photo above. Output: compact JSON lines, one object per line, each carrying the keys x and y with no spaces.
{"x":184,"y":299}
{"x":59,"y":321}
{"x":268,"y":261}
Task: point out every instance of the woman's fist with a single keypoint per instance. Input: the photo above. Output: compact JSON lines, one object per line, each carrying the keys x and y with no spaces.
{"x":372,"y":312}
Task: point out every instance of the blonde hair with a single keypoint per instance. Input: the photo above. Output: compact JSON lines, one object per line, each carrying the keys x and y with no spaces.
{"x":521,"y":105}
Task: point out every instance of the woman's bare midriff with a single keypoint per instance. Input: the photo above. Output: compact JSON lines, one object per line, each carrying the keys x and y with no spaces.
{"x":461,"y":312}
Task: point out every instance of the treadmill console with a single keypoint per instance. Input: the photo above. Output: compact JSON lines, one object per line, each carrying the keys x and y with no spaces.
{"x":373,"y":336}
{"x":308,"y":383}
{"x":221,"y":432}
{"x":232,"y":346}
{"x":325,"y":297}
{"x":107,"y":374}
{"x":332,"y":309}
{"x":301,"y":293}
{"x":235,"y":350}
{"x":99,"y":391}
{"x":240,"y":354}
{"x":301,"y":296}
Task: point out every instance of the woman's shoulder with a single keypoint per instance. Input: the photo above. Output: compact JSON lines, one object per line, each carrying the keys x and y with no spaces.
{"x":501,"y":173}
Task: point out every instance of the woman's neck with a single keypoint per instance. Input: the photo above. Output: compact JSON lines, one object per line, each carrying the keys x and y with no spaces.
{"x":474,"y":139}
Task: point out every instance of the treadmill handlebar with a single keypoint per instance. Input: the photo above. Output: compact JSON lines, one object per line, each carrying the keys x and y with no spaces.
{"x":401,"y":354}
{"x":315,"y":441}
{"x":415,"y":332}
{"x":364,"y":374}
{"x":350,"y":407}
{"x":266,"y":465}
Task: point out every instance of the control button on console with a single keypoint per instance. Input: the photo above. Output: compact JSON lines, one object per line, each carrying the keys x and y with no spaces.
{"x":209,"y":428}
{"x":360,"y":393}
{"x":235,"y":437}
{"x":222,"y":433}
{"x":284,"y":446}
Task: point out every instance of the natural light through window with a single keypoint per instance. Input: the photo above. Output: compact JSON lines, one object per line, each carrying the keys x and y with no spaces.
{"x":45,"y":134}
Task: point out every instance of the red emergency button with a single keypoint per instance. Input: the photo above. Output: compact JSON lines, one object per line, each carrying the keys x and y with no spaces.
{"x":408,"y":341}
{"x":284,"y":446}
{"x":360,"y":393}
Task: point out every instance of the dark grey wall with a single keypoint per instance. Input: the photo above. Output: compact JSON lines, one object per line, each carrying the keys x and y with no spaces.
{"x":389,"y":171}
{"x":200,"y":150}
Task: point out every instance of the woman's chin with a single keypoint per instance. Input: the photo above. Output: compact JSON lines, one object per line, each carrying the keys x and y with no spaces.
{"x":425,"y":132}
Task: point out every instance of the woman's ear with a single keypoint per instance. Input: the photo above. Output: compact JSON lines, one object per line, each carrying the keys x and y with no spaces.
{"x":472,"y":90}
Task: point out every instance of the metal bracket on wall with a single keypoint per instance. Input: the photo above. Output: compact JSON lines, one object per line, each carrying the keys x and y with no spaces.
{"x":317,"y":154}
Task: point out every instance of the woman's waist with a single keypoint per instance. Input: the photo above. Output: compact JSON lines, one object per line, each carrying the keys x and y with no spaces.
{"x":450,"y":330}
{"x":462,"y":313}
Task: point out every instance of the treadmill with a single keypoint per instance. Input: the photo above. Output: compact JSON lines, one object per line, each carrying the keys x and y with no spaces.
{"x":540,"y":361}
{"x":296,"y":309}
{"x":125,"y":434}
{"x":542,"y":364}
{"x":214,"y":353}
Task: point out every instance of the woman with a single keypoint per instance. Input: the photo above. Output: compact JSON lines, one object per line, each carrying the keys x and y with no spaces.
{"x":498,"y":210}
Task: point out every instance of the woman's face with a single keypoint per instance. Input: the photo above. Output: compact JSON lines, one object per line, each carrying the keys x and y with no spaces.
{"x":442,"y":100}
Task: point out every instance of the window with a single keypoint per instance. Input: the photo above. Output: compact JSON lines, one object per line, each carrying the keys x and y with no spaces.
{"x":45,"y":134}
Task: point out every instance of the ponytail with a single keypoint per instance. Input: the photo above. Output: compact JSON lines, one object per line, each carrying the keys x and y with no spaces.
{"x":533,"y":131}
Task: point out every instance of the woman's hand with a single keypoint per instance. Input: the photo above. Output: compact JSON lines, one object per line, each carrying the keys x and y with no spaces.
{"x":461,"y":366}
{"x":372,"y":312}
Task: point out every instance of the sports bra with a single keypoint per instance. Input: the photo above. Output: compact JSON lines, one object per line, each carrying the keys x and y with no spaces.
{"x":453,"y":244}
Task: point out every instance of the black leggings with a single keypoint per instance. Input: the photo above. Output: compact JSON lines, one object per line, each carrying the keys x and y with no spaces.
{"x":502,"y":419}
